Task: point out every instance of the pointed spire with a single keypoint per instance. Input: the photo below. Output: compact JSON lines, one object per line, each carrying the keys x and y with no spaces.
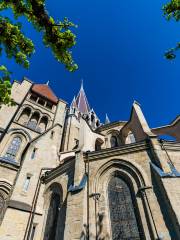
{"x":81,"y":101}
{"x":107,"y":119}
{"x":73,"y":103}
{"x":82,"y":84}
{"x":47,"y":83}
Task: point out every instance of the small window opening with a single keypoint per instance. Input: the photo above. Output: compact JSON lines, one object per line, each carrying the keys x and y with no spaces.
{"x":33,"y":153}
{"x":41,"y":102}
{"x":26,"y":183}
{"x":92,"y":117}
{"x":52,"y":134}
{"x":33,"y":97}
{"x":49,"y":105}
{"x":76,"y":141}
{"x":87,"y":118}
{"x":33,"y":232}
{"x":97,"y":123}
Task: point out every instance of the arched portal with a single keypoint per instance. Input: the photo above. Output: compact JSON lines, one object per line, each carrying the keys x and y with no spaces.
{"x":124,"y":224}
{"x":118,"y":181}
{"x":55,"y":213}
{"x":52,"y":217}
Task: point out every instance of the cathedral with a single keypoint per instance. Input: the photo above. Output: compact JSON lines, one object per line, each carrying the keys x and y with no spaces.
{"x":65,"y":175}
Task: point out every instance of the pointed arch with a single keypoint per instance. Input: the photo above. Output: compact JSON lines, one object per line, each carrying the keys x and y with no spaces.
{"x":14,"y":146}
{"x":5,"y":188}
{"x":34,"y":120}
{"x":123,"y":217}
{"x":24,"y":117}
{"x":98,"y":144}
{"x":132,"y":177}
{"x":114,"y":139}
{"x":55,"y":212}
{"x":43,"y":123}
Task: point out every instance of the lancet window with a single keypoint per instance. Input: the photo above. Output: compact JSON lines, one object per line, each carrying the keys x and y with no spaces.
{"x":52,"y":217}
{"x":124,"y":224}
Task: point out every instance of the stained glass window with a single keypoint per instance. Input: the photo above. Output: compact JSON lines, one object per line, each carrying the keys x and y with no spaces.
{"x":13,"y":148}
{"x":122,"y":213}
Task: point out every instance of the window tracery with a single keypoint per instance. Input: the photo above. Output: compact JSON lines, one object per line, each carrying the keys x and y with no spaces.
{"x":13,"y":148}
{"x":124,"y":224}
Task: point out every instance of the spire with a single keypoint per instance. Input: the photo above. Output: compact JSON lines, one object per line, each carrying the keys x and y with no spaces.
{"x":107,"y":119}
{"x":81,"y":101}
{"x":47,"y":83}
{"x":82,"y":84}
{"x":73,"y":104}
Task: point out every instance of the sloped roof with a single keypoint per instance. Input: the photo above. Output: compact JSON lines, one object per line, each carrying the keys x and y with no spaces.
{"x":82,"y":102}
{"x":45,"y":91}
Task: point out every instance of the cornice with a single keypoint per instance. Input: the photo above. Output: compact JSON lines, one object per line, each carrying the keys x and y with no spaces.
{"x":172,"y":146}
{"x":110,"y":125}
{"x":59,"y":170}
{"x":9,"y":165}
{"x":111,"y":152}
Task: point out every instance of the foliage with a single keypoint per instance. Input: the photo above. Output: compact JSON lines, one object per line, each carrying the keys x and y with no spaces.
{"x":56,"y":35}
{"x":5,"y":87}
{"x":172,"y":11}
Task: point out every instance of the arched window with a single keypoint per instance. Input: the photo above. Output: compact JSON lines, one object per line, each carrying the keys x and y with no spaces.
{"x":25,"y":115}
{"x":34,"y":120}
{"x":124,"y":224}
{"x":56,"y":213}
{"x":43,"y":124}
{"x":114,"y":141}
{"x":97,"y":123}
{"x":98,"y":144}
{"x":13,"y":148}
{"x":92,"y":117}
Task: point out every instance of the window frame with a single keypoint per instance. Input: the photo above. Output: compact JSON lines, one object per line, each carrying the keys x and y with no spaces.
{"x":8,"y":153}
{"x":26,"y":183}
{"x":134,"y":203}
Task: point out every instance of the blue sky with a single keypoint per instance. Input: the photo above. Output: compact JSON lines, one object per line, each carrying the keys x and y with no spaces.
{"x":120,"y":47}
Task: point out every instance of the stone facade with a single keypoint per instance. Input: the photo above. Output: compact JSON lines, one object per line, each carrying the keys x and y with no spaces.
{"x":66,"y":176}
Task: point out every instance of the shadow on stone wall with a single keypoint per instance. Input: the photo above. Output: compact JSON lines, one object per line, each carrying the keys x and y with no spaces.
{"x":100,"y":235}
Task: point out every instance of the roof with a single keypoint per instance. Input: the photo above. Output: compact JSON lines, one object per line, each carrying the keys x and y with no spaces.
{"x":82,"y":102}
{"x":45,"y":91}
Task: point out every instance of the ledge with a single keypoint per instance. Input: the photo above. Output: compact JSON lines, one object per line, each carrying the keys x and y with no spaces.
{"x":171,"y":145}
{"x":108,"y":152}
{"x":6,"y":161}
{"x":21,"y":206}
